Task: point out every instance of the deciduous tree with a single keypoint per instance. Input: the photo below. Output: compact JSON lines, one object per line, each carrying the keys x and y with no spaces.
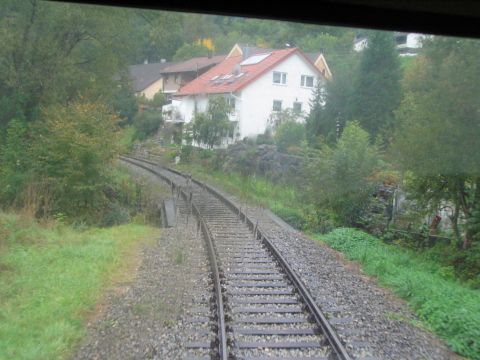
{"x":438,"y":131}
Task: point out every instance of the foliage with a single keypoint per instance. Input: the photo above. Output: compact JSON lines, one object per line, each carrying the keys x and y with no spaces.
{"x":450,"y":309}
{"x":189,"y":51}
{"x":435,"y":139}
{"x":125,"y":102}
{"x":265,"y":138}
{"x":211,"y":127}
{"x":116,"y":214}
{"x":147,"y":123}
{"x":186,"y":153}
{"x":52,"y":52}
{"x":43,"y":310}
{"x":289,"y":133}
{"x":277,"y":118}
{"x":332,"y":104}
{"x":158,"y":101}
{"x":14,"y":163}
{"x":158,"y":33}
{"x":73,"y":153}
{"x":339,"y":178}
{"x":377,"y":89}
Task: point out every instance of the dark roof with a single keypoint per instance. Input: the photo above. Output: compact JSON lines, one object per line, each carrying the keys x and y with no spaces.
{"x":144,"y":75}
{"x":198,"y":63}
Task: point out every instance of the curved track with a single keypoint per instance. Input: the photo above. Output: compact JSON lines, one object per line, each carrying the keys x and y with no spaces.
{"x":262,"y":308}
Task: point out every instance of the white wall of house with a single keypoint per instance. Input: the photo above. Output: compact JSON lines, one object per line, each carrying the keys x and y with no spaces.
{"x":187,"y":106}
{"x":256,"y":103}
{"x":414,"y":40}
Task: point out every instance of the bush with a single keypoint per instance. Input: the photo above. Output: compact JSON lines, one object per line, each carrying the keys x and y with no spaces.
{"x":265,"y":138}
{"x":186,"y":153}
{"x":147,"y":123}
{"x":115,"y":215}
{"x":73,"y":154}
{"x":293,"y":217}
{"x":289,"y":134}
{"x":14,"y":160}
{"x":340,"y":178}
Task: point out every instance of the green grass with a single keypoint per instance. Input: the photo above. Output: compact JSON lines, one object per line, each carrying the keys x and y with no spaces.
{"x":127,"y":138}
{"x":283,"y":200}
{"x":51,"y":277}
{"x":444,"y":305}
{"x":406,"y":62}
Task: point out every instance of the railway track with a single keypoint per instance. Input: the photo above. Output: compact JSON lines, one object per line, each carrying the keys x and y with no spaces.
{"x":262,"y":309}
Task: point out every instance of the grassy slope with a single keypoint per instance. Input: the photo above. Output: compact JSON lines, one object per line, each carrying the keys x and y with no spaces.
{"x":449,"y":308}
{"x":52,"y":277}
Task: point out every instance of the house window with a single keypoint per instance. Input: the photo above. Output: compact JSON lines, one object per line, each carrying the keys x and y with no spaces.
{"x":279,"y":77}
{"x":277,"y":105}
{"x":297,"y":107}
{"x":307,"y":81}
{"x":231,"y":102}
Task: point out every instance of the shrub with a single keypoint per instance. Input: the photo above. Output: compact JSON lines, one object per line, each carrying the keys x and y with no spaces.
{"x":292,"y":216}
{"x":147,"y":123}
{"x":340,"y":178}
{"x":14,"y":161}
{"x":289,"y":134}
{"x":73,"y":152}
{"x":186,"y":153}
{"x":115,"y":215}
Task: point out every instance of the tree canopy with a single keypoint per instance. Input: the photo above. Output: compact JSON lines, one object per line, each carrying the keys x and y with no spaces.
{"x":438,"y":125}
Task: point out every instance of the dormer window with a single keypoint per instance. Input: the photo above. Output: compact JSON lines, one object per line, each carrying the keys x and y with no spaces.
{"x":279,"y":77}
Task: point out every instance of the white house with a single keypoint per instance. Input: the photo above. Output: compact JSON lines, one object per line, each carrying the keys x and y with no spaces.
{"x":257,"y":85}
{"x":408,"y":44}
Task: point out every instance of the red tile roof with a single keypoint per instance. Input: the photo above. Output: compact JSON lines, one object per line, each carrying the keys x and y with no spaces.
{"x":205,"y":85}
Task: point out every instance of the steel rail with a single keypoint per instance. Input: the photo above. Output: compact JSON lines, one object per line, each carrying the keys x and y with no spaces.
{"x":318,"y":315}
{"x":221,"y":331}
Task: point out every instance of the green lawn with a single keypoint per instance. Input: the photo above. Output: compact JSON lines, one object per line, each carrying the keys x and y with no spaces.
{"x":444,"y":305}
{"x":51,"y":277}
